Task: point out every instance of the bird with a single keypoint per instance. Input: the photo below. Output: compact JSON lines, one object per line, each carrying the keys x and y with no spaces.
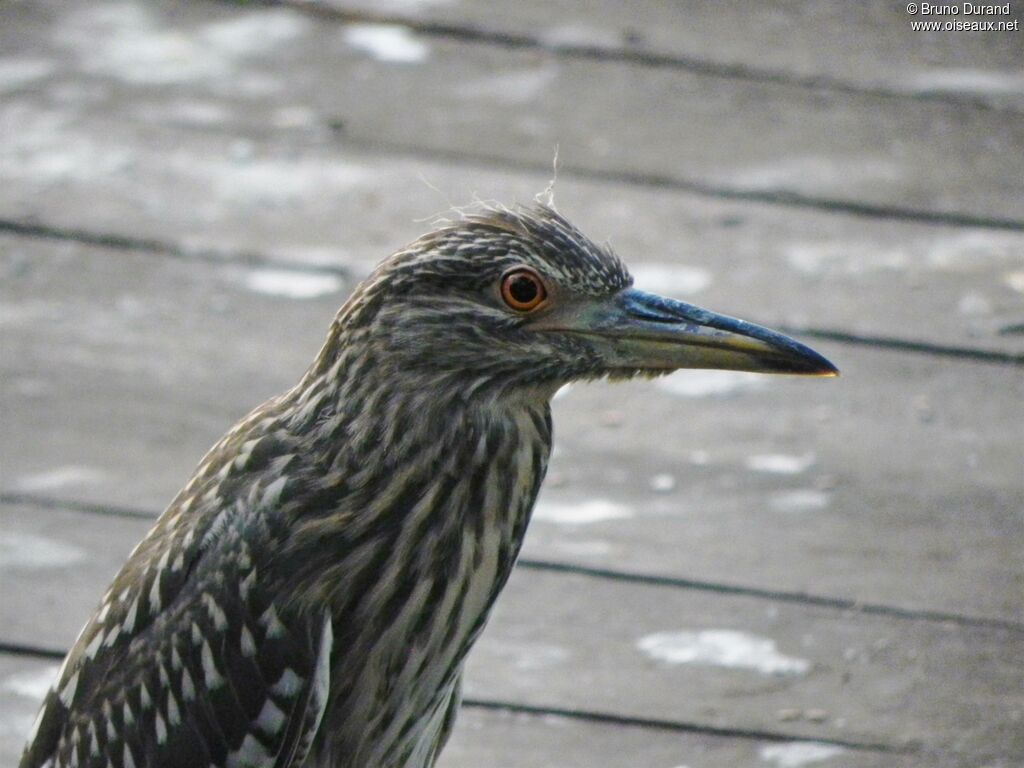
{"x":309,"y":597}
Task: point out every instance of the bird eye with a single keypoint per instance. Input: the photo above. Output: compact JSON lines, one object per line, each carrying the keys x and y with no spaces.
{"x":523,"y":290}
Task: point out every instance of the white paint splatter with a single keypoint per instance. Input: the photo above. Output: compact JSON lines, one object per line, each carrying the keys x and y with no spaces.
{"x":722,"y":648}
{"x":517,"y":87}
{"x":969,"y":250}
{"x":780,"y":463}
{"x":576,"y":34}
{"x":530,"y":657}
{"x":16,"y":725}
{"x":538,"y":656}
{"x":801,"y":500}
{"x":663,"y":483}
{"x":294,"y":116}
{"x":845,"y":257}
{"x":43,"y":147}
{"x":787,"y":171}
{"x":72,"y":474}
{"x":29,"y":312}
{"x":292,"y":284}
{"x":671,"y":279}
{"x":186,"y":112}
{"x":131,"y":43}
{"x":406,"y":5}
{"x":974,"y":304}
{"x":17,"y":73}
{"x":1015,"y":280}
{"x":966,"y":251}
{"x":319,"y":255}
{"x":126,"y":44}
{"x":709,"y":383}
{"x":586,"y":548}
{"x":580,"y":513}
{"x":254,"y":33}
{"x":33,"y":683}
{"x":798,"y":753}
{"x":967,"y":81}
{"x":29,"y":386}
{"x":36,"y":146}
{"x":387,"y":42}
{"x":277,"y":182}
{"x":700,"y":457}
{"x":27,"y":551}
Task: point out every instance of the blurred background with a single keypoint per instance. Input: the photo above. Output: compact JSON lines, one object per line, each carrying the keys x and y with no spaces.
{"x":723,"y":570}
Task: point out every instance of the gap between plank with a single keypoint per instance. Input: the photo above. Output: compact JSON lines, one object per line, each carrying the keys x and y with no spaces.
{"x":248,"y":259}
{"x":164,"y":248}
{"x":643,"y":179}
{"x":604,"y":718}
{"x":676,"y":582}
{"x":607,"y":718}
{"x":782,"y":596}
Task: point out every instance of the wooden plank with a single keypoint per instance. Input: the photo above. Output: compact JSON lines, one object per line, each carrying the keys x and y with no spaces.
{"x":55,"y":566}
{"x":873,"y":486}
{"x":507,"y":740}
{"x":273,"y":69}
{"x":571,"y":642}
{"x":295,"y":202}
{"x":868,"y":45}
{"x":575,"y":641}
{"x":898,"y":483}
{"x":499,"y":739}
{"x":23,"y":682}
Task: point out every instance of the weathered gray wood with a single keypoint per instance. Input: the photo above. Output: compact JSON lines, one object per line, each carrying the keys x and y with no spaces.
{"x":859,"y":45}
{"x":899,"y":483}
{"x":23,"y":682}
{"x":265,"y":130}
{"x":504,"y":740}
{"x":951,"y":689}
{"x":497,"y":739}
{"x":275,"y":69}
{"x":294,"y":202}
{"x":573,"y":642}
{"x":55,"y":565}
{"x":905,"y":467}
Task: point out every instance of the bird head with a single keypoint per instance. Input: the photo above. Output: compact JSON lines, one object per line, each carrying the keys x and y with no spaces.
{"x":520,"y":300}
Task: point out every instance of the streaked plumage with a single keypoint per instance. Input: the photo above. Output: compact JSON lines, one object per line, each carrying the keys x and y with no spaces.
{"x":309,"y":597}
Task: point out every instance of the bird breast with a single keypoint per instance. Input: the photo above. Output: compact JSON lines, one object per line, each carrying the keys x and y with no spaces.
{"x":455,"y":545}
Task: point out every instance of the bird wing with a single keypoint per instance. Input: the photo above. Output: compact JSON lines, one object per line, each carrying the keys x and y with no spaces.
{"x":189,"y":662}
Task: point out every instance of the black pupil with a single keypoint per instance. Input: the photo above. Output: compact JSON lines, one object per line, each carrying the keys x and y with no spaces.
{"x":523,"y":289}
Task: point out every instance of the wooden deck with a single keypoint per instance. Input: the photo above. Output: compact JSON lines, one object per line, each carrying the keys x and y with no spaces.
{"x":723,"y":570}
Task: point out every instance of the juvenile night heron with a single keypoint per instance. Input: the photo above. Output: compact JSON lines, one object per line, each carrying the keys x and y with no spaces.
{"x":308,"y":599}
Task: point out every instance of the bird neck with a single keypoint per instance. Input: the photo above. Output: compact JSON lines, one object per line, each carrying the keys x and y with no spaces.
{"x":356,"y":401}
{"x":423,"y":480}
{"x":379,"y":441}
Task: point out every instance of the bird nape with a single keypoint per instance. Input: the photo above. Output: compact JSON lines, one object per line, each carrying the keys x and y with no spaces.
{"x":309,"y":597}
